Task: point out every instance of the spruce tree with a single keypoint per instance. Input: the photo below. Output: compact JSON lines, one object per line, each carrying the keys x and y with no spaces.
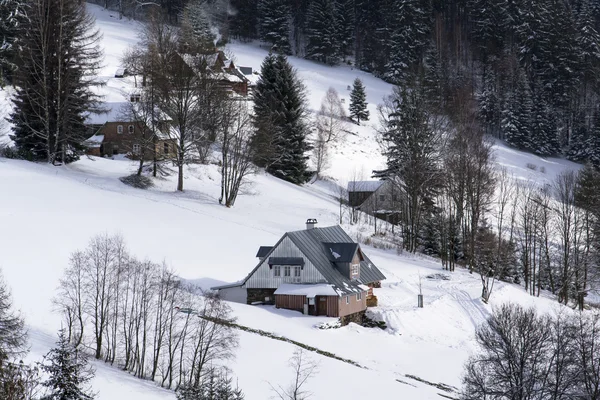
{"x":408,"y":39}
{"x":358,"y":102}
{"x":593,"y":143}
{"x":345,"y":26}
{"x":265,"y":101}
{"x":58,"y":57}
{"x":215,"y":385}
{"x":196,"y":29}
{"x":10,"y":13}
{"x":280,"y":121}
{"x":68,"y":372}
{"x":274,"y":25}
{"x":321,"y":31}
{"x":516,"y":114}
{"x":244,"y":20}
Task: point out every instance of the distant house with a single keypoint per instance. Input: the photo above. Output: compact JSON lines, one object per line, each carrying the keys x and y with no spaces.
{"x":376,"y":198}
{"x":222,"y":70}
{"x":114,"y":133}
{"x":317,"y":271}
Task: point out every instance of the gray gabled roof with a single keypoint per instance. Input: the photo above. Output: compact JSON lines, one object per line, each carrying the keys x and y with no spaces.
{"x":310,"y":242}
{"x":340,"y":252}
{"x":364,"y":186}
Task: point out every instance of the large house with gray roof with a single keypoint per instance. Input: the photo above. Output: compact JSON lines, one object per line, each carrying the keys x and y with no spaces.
{"x":318,"y":271}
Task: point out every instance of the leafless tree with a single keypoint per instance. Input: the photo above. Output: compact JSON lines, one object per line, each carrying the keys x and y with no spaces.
{"x":304,"y":368}
{"x":320,"y":153}
{"x":105,"y":255}
{"x":213,"y":338}
{"x":587,"y":344}
{"x":236,"y":152}
{"x":569,"y":229}
{"x":514,"y":353}
{"x":71,"y":297}
{"x":331,"y":119}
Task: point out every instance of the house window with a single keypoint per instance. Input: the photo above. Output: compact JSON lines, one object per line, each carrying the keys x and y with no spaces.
{"x":354,"y":269}
{"x":130,"y":129}
{"x":287,"y":271}
{"x":277,"y":270}
{"x":135,"y":98}
{"x":347,"y":299}
{"x":166,"y":148}
{"x":297,"y":272}
{"x":119,"y":129}
{"x":136,"y":148}
{"x":358,"y":296}
{"x":382,"y":197}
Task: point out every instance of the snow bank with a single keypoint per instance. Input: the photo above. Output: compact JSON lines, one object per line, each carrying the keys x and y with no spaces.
{"x":320,"y":289}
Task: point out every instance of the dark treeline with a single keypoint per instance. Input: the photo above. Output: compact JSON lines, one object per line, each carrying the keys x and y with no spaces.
{"x":531,"y":66}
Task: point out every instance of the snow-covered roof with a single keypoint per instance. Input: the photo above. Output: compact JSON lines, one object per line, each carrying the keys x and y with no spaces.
{"x":311,"y":290}
{"x":94,"y":141}
{"x":114,"y":113}
{"x":364,"y":186}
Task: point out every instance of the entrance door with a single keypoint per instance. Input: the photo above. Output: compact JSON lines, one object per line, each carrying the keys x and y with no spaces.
{"x":322,"y":305}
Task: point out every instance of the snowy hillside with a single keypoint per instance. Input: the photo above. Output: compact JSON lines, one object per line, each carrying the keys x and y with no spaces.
{"x":48,"y":212}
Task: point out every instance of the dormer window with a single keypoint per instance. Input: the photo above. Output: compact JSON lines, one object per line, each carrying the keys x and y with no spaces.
{"x":354,"y":270}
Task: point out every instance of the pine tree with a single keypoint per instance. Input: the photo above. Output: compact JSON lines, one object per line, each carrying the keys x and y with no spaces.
{"x":13,"y":336}
{"x":10,"y":12}
{"x":433,"y":79}
{"x":516,"y":114}
{"x":68,"y":372}
{"x":593,"y":143}
{"x":280,"y":121}
{"x":321,"y":32}
{"x":197,"y":32}
{"x":245,"y":18}
{"x":274,"y":24}
{"x":265,"y":101}
{"x":216,"y":385}
{"x":579,"y":147}
{"x":345,"y":26}
{"x":358,"y":102}
{"x":58,"y":58}
{"x":408,"y":40}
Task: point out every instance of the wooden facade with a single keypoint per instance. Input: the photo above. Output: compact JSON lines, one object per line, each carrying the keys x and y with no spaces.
{"x":264,"y":276}
{"x":323,"y":305}
{"x":127,"y":138}
{"x":352,"y":304}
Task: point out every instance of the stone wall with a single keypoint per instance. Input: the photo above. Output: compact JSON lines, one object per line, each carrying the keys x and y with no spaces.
{"x":357,"y":318}
{"x":259,"y":295}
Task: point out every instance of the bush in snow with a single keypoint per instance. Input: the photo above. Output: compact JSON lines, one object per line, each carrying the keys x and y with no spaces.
{"x":137,"y":181}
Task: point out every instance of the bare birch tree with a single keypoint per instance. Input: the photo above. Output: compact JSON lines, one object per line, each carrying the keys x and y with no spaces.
{"x":236,"y":152}
{"x":304,"y":368}
{"x":331,"y":118}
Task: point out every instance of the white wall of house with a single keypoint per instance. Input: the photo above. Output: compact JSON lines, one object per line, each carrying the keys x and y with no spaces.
{"x":265,"y":277}
{"x":237,"y":294}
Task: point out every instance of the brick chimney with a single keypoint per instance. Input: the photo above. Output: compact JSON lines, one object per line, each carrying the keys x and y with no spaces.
{"x":310,"y":223}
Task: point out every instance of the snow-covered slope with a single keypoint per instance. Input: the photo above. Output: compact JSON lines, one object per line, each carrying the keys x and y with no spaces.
{"x":48,"y":212}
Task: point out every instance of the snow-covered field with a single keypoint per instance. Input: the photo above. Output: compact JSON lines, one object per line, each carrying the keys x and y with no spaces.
{"x":48,"y":212}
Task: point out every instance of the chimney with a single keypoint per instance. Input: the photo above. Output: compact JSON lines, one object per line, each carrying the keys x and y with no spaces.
{"x":310,"y":223}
